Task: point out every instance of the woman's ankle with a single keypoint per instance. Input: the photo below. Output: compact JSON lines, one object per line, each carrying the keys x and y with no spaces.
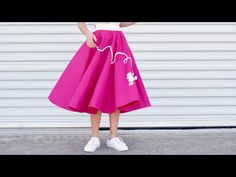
{"x":112,"y":136}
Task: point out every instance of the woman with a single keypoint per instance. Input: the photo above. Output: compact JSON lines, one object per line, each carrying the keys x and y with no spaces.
{"x":102,"y":77}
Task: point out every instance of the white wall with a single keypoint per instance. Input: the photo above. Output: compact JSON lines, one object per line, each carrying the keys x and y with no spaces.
{"x":189,"y":70}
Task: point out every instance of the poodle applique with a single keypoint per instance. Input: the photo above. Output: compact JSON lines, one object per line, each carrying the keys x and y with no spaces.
{"x":131,"y":78}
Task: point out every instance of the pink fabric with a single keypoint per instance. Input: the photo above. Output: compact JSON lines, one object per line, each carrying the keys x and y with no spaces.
{"x":101,"y":78}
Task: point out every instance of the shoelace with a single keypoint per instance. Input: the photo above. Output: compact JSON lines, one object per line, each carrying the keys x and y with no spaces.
{"x":119,"y":140}
{"x":92,"y":141}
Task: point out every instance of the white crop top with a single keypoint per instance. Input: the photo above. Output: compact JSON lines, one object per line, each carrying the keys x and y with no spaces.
{"x":112,"y":23}
{"x":107,"y":25}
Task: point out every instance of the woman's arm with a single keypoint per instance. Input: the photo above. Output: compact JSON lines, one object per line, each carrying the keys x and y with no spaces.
{"x":83,"y":28}
{"x":125,"y":24}
{"x":91,"y":38}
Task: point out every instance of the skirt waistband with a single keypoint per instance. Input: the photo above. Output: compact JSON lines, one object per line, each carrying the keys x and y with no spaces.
{"x":105,"y":26}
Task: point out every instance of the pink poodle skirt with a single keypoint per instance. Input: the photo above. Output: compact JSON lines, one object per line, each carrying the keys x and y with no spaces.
{"x":104,"y":78}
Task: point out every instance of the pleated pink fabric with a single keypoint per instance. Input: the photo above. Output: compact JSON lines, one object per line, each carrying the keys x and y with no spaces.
{"x":104,"y":78}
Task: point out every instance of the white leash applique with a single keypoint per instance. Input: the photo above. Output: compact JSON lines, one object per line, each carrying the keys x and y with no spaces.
{"x":130,"y":75}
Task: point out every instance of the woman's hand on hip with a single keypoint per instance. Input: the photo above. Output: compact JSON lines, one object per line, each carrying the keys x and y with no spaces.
{"x":91,"y":40}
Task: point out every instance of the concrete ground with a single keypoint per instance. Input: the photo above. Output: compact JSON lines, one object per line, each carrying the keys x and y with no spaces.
{"x":70,"y":141}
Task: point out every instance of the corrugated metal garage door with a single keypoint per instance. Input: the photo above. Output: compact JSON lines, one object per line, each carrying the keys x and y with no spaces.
{"x":189,"y":70}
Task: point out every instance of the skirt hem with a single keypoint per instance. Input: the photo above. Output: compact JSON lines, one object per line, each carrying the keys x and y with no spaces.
{"x":73,"y":109}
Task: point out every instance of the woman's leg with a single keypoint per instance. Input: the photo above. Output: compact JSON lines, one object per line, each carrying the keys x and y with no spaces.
{"x":95,"y":123}
{"x":114,"y":141}
{"x":114,"y":121}
{"x":94,"y":142}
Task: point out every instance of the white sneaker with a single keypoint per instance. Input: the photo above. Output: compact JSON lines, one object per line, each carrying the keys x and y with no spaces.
{"x":117,"y":144}
{"x":92,"y":145}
